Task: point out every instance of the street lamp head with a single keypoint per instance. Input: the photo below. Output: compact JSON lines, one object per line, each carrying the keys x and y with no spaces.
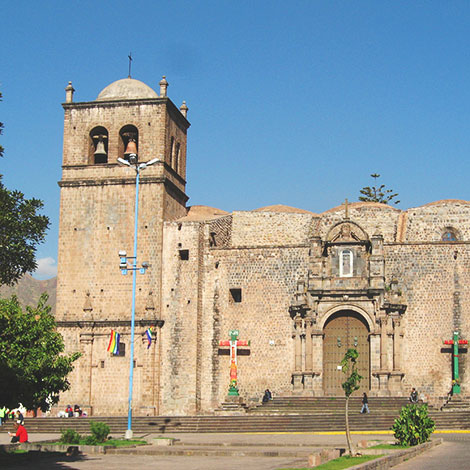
{"x":154,"y":160}
{"x":123,"y":162}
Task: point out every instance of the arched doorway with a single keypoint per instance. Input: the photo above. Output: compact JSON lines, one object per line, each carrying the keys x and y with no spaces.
{"x":343,"y":330}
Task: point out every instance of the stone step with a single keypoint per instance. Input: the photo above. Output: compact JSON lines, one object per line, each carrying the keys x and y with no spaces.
{"x":246,"y":423}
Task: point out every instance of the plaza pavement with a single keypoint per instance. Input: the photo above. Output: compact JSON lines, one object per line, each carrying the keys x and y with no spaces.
{"x":210,"y":451}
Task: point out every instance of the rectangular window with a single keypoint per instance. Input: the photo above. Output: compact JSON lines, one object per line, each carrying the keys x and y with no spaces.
{"x":235,"y":295}
{"x":122,"y":350}
{"x":346,"y":263}
{"x":184,"y":255}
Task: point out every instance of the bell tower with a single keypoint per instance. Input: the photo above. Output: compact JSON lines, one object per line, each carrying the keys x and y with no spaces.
{"x":96,"y":222}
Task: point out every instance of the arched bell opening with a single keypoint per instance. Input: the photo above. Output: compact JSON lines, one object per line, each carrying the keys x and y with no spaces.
{"x":98,"y":145}
{"x":128,"y":142}
{"x":343,"y":330}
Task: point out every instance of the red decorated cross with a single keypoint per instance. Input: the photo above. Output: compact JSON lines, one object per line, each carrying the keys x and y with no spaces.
{"x":233,"y":343}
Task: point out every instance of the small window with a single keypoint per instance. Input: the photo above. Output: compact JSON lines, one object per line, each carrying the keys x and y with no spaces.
{"x":346,"y":263}
{"x":102,"y":364}
{"x":172,"y":150}
{"x":449,"y":235}
{"x":184,"y":255}
{"x":122,"y":350}
{"x":177,"y":157}
{"x":235,"y":295}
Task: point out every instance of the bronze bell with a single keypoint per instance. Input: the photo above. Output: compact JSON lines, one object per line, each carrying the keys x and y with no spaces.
{"x":100,"y":150}
{"x":131,"y":148}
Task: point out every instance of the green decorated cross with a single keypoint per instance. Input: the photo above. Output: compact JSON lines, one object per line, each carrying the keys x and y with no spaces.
{"x":455,"y":342}
{"x":233,"y":343}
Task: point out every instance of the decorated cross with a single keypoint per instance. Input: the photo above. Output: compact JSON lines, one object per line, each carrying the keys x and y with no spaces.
{"x":456,"y":343}
{"x":233,"y":343}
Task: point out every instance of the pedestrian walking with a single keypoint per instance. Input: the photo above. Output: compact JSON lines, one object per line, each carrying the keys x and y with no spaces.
{"x":365,"y":403}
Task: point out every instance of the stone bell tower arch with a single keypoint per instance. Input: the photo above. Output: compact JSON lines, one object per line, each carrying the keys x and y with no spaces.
{"x":96,"y":221}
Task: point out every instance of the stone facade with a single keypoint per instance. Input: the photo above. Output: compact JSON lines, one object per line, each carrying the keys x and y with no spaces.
{"x":289,"y":280}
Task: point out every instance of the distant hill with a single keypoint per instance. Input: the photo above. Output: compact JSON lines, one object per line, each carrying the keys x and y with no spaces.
{"x":28,"y":290}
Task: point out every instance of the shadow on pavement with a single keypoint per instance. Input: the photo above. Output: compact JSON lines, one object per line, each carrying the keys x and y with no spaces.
{"x":40,"y":460}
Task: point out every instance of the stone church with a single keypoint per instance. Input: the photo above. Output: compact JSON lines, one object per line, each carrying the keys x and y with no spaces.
{"x":301,"y":288}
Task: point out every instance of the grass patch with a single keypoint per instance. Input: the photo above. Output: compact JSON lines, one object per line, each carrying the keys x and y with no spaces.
{"x":389,"y":446}
{"x":109,"y":442}
{"x":341,"y":462}
{"x":18,"y":451}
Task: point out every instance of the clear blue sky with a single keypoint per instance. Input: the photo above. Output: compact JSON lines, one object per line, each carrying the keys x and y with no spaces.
{"x":290,"y":103}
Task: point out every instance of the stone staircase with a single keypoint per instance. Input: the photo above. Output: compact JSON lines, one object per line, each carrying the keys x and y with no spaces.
{"x":290,"y":414}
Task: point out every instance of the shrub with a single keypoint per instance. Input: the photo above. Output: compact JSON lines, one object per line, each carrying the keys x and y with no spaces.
{"x":99,"y":431}
{"x":413,"y":426}
{"x":69,"y":436}
{"x":90,"y":441}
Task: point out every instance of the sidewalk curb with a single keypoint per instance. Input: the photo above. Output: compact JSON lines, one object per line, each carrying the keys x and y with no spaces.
{"x":391,"y":460}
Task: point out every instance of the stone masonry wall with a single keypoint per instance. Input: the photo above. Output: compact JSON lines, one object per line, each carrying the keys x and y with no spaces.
{"x":269,"y":228}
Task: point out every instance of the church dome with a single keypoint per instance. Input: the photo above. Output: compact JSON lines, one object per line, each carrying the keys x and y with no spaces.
{"x":126,"y":89}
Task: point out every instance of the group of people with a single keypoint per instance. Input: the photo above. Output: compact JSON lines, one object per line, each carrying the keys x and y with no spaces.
{"x":71,"y":412}
{"x":20,"y":434}
{"x":16,"y":414}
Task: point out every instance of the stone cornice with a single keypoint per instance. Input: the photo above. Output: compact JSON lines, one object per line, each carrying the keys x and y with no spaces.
{"x":172,"y":108}
{"x":76,"y":183}
{"x":106,"y":323}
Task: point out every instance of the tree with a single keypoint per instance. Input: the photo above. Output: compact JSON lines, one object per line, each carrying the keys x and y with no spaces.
{"x":378,"y":194}
{"x":33,"y":370}
{"x":21,"y":229}
{"x":349,"y":365}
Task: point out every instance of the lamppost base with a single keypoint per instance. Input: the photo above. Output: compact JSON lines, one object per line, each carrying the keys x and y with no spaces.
{"x":129,"y":434}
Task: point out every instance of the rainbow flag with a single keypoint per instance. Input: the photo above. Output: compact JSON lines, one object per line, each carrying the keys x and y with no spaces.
{"x":150,"y":335}
{"x":113,"y":346}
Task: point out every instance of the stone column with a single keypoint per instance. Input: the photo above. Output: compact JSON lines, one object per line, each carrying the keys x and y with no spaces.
{"x":383,"y":344}
{"x":308,"y":345}
{"x":298,"y":344}
{"x":317,"y":362}
{"x":397,"y":343}
{"x":297,"y":376}
{"x":86,"y":370}
{"x":396,"y":377}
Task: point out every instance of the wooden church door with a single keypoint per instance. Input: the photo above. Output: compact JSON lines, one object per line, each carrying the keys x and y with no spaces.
{"x":344,"y":330}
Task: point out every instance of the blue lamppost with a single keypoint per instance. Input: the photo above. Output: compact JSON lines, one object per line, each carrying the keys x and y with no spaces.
{"x":138,"y":167}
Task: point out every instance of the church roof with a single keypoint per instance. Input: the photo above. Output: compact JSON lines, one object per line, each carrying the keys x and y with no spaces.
{"x":363,"y":205}
{"x":126,"y":89}
{"x":198,"y":213}
{"x":282,"y":208}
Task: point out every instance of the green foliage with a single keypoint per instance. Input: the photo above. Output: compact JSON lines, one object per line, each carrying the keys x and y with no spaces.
{"x":99,"y":430}
{"x":69,"y":436}
{"x":349,"y":363}
{"x":33,"y":370}
{"x":377,"y":193}
{"x":90,"y":441}
{"x":413,"y":426}
{"x":21,"y":229}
